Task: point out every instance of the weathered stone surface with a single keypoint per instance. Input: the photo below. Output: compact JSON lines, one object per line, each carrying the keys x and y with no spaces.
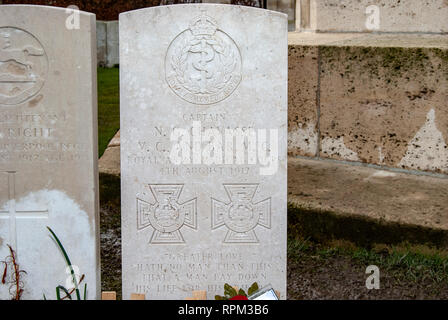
{"x":48,"y":147}
{"x":385,"y":106}
{"x":394,"y":16}
{"x":228,"y":221}
{"x":101,"y":43}
{"x":381,"y":98}
{"x":359,"y":191}
{"x":113,"y":58}
{"x":302,"y":101}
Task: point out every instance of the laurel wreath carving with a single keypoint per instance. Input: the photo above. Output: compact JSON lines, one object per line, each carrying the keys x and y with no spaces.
{"x":223,"y":52}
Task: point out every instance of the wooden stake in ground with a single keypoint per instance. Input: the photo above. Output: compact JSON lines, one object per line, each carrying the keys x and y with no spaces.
{"x":108,"y":295}
{"x":138,"y":296}
{"x":198,"y":295}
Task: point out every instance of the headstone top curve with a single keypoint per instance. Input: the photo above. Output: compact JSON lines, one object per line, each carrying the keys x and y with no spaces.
{"x":216,"y":5}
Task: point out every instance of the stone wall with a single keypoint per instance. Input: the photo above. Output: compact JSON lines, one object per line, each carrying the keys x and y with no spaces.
{"x":373,"y":99}
{"x":429,"y":16}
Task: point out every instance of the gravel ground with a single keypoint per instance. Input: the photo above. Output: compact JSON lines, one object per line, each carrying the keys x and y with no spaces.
{"x":110,"y":250}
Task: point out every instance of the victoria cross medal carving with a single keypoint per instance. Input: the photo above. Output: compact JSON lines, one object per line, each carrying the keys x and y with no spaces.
{"x":166,"y":215}
{"x":241,"y":215}
{"x":203,"y":64}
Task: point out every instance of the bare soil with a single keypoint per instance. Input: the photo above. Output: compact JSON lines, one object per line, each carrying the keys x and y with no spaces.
{"x":340,"y":277}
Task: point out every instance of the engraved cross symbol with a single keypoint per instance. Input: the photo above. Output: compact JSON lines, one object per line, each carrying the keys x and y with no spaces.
{"x":13,"y":214}
{"x":241,"y":215}
{"x":166,"y":215}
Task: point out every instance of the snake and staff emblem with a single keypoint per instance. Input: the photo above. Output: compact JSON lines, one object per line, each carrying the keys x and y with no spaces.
{"x":23,"y":66}
{"x":203,"y":64}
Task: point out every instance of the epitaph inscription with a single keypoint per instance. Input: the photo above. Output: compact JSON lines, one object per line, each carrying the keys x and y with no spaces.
{"x":166,"y":215}
{"x":23,"y":66}
{"x":203,"y":64}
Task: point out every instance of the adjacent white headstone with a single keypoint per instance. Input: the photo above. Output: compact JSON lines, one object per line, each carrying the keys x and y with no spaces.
{"x":101,"y":43}
{"x":200,"y":209}
{"x":112,"y":44}
{"x":48,"y":147}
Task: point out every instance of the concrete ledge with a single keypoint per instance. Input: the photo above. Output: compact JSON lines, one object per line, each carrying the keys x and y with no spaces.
{"x":109,"y":162}
{"x":402,"y":40}
{"x":361,"y":204}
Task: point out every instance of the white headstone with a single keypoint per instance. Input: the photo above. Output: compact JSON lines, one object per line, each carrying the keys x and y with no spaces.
{"x":101,"y":43}
{"x":203,"y":71}
{"x":48,"y":147}
{"x":112,"y":44}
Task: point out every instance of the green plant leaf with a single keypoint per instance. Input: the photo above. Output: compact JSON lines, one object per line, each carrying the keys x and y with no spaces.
{"x":217,"y":297}
{"x":85,"y":291}
{"x":253,"y":288}
{"x":67,"y":259}
{"x":58,"y":293}
{"x":229,"y":291}
{"x":242,"y":293}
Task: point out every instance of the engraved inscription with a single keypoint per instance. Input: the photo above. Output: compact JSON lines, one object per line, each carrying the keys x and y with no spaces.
{"x":241,"y":215}
{"x":12,"y":213}
{"x":23,"y":66}
{"x":38,"y":137}
{"x":166,"y":215}
{"x":178,"y":272}
{"x":203,"y":64}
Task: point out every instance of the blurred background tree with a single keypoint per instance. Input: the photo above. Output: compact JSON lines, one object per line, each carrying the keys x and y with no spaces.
{"x":110,"y":9}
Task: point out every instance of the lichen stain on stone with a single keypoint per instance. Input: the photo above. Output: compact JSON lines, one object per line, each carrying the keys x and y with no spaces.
{"x":428,"y":149}
{"x":331,"y":147}
{"x":391,"y":63}
{"x":35,"y":101}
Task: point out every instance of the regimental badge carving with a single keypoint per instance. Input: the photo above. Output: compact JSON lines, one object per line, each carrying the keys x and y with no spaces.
{"x":203,"y":64}
{"x":23,"y":66}
{"x":166,"y":215}
{"x":241,"y":215}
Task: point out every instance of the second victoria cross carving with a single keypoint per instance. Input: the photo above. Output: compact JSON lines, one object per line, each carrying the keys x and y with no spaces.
{"x":166,"y":215}
{"x":241,"y":215}
{"x":203,"y":64}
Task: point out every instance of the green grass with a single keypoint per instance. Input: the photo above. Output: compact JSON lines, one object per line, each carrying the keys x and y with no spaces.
{"x":403,"y":261}
{"x":108,"y":106}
